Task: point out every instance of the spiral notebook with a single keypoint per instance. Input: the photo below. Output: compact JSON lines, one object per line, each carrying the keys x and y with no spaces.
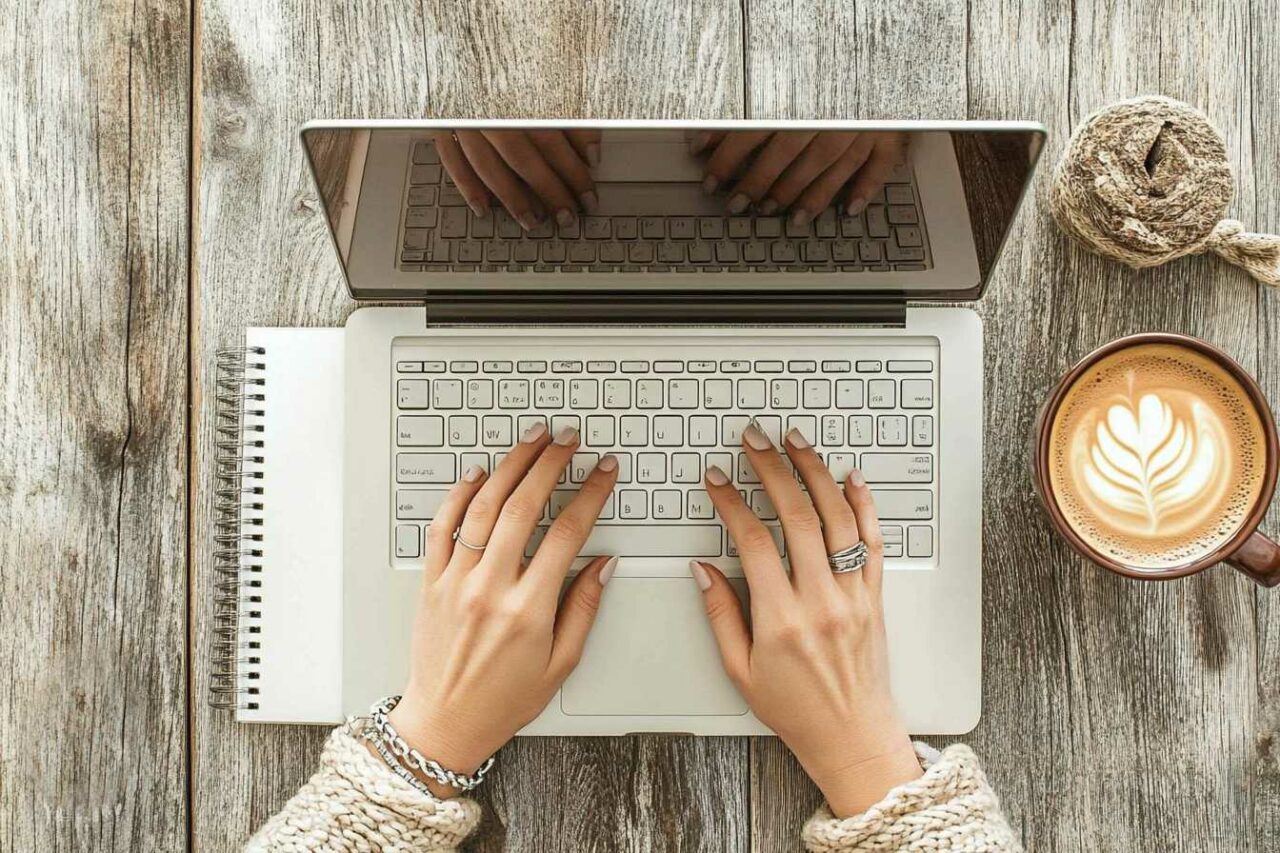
{"x":278,"y":647}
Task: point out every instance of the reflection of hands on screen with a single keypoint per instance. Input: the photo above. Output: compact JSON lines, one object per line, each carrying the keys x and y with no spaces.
{"x":803,"y":171}
{"x":532,"y":173}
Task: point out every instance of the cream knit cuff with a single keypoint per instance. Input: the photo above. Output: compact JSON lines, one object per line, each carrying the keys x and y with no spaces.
{"x":951,"y":807}
{"x":354,"y":802}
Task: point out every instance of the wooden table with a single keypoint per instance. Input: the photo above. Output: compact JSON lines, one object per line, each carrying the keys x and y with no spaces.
{"x":153,"y":203}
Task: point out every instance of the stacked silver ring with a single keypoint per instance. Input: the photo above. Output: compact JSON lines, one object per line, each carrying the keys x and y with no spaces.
{"x":457,"y":537}
{"x":849,"y":559}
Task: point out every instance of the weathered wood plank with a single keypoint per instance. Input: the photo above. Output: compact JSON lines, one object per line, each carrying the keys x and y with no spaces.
{"x":857,"y":60}
{"x":263,"y":259}
{"x":94,"y":102}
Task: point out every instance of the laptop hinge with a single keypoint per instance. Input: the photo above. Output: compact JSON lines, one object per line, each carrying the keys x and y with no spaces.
{"x":663,"y":309}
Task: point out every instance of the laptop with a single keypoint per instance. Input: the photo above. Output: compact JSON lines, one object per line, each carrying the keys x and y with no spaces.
{"x":658,"y":324}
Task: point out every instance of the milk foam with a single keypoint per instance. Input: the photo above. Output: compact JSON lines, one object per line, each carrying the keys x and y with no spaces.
{"x":1157,"y":456}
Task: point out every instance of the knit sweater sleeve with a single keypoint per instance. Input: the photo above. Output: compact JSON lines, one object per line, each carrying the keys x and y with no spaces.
{"x":951,"y":807}
{"x":354,"y":802}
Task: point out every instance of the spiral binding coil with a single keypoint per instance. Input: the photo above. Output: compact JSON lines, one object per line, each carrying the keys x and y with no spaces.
{"x":238,"y":510}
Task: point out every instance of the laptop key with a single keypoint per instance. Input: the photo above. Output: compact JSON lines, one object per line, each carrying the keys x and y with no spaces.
{"x":897,"y":467}
{"x":903,"y":504}
{"x":660,"y":540}
{"x":419,"y":504}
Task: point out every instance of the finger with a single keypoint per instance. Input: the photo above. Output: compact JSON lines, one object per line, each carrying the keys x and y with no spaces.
{"x":728,"y":622}
{"x":864,"y":509}
{"x":569,"y":532}
{"x":821,"y":153}
{"x":586,"y":141}
{"x":576,"y":615}
{"x":728,"y":157}
{"x":486,"y":506}
{"x":569,"y":165}
{"x":523,"y":510}
{"x":839,"y":525}
{"x":499,"y":178}
{"x":761,"y":562}
{"x":819,"y":194}
{"x":781,"y":150}
{"x":800,"y":522}
{"x":523,"y":156}
{"x":440,"y":545}
{"x":455,"y":163}
{"x":889,"y":150}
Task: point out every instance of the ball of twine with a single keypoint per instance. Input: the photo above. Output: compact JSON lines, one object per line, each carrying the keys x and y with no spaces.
{"x":1146,"y":181}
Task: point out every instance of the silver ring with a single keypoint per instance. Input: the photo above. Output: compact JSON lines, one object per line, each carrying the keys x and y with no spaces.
{"x":849,"y":559}
{"x":457,"y":537}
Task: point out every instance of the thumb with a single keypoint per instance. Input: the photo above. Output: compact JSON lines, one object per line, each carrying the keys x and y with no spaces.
{"x":577,"y":614}
{"x":728,"y":623}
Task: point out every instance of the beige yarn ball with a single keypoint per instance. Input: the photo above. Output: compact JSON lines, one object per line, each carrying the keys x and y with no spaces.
{"x":1147,"y":180}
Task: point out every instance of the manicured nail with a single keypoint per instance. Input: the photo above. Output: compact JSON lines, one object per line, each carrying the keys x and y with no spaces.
{"x":528,"y":220}
{"x":855,"y":205}
{"x":700,"y":575}
{"x":478,"y":209}
{"x":755,"y":437}
{"x":801,"y":218}
{"x":710,"y":183}
{"x":590,"y":201}
{"x":565,"y":216}
{"x":717,"y":477}
{"x":739,"y":203}
{"x":593,"y":154}
{"x":606,"y":574}
{"x":699,"y":141}
{"x":797,"y":440}
{"x":608,"y":463}
{"x":856,"y":478}
{"x":768,"y":206}
{"x":475,"y":472}
{"x":533,"y":433}
{"x":566,"y":436}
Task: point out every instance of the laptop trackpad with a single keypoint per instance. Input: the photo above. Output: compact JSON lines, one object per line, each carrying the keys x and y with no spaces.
{"x":652,"y":653}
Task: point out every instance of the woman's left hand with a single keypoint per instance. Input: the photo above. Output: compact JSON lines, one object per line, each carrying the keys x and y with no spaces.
{"x":492,"y":642}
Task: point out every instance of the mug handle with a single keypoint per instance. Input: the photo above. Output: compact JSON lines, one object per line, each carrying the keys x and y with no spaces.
{"x":1259,"y":558}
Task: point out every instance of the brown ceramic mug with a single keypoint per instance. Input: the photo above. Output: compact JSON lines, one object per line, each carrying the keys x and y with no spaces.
{"x":1106,"y":470}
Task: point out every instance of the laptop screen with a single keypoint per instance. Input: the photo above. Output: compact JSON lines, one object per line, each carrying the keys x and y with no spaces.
{"x":874,"y":211}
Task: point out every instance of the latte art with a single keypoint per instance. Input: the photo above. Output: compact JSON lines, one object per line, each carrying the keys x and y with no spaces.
{"x":1157,"y":455}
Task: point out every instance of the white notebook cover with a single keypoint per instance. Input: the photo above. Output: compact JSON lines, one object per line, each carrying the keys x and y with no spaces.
{"x":298,"y":674}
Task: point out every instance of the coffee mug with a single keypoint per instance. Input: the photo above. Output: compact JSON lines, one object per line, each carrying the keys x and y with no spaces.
{"x":1156,"y":457}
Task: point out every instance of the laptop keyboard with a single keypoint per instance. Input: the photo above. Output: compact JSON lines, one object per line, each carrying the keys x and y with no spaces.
{"x":667,"y":416}
{"x":439,"y":232}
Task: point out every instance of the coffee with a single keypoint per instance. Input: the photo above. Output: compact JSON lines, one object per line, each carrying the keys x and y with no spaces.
{"x":1156,"y":456}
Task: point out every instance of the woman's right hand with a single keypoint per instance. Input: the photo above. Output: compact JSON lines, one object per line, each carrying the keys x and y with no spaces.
{"x":813,"y":665}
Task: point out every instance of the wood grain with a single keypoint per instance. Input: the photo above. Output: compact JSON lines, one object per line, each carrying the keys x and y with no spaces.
{"x":264,"y":260}
{"x":93,"y":380}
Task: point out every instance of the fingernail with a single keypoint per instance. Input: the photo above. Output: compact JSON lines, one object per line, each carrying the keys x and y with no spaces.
{"x":739,"y":203}
{"x":590,"y":201}
{"x":533,"y":433}
{"x":716,"y":477}
{"x":593,"y":154}
{"x":801,"y":217}
{"x":566,"y":436}
{"x":755,"y":437}
{"x":606,"y":574}
{"x":797,"y":440}
{"x":856,"y":478}
{"x":768,"y":206}
{"x":564,"y":216}
{"x":699,"y":141}
{"x":478,"y":209}
{"x":608,"y":463}
{"x":527,"y":220}
{"x":475,"y":472}
{"x":709,"y":183}
{"x":700,"y":575}
{"x":855,"y":206}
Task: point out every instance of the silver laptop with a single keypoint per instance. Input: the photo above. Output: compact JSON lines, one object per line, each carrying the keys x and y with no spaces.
{"x":658,"y":323}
